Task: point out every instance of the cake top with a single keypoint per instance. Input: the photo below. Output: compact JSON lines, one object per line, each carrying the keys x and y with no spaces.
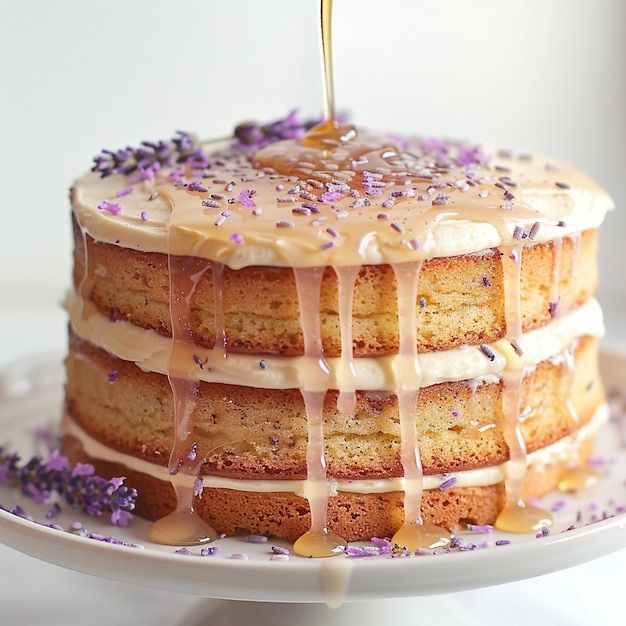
{"x":332,"y":195}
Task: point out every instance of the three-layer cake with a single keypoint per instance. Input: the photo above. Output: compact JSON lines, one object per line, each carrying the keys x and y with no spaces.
{"x":313,"y":333}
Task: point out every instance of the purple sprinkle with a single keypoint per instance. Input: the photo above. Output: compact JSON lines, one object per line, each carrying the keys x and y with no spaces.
{"x":153,"y":196}
{"x":237,"y":238}
{"x":53,"y":511}
{"x":123,"y":192}
{"x":185,"y":551}
{"x":383,"y":216}
{"x":112,"y":207}
{"x":257,"y":539}
{"x":486,"y":282}
{"x":441,"y":199}
{"x":279,"y":550}
{"x":209,"y":551}
{"x":449,"y":483}
{"x":481,"y":529}
{"x":212,"y":204}
{"x":112,"y":376}
{"x":279,"y":557}
{"x":534,"y":229}
{"x":239,"y":556}
{"x":196,"y":185}
{"x":198,"y":361}
{"x":487,"y":351}
{"x":263,"y":364}
{"x":358,"y":551}
{"x":384,"y":545}
{"x":284,"y":224}
{"x":422,"y":303}
{"x":543,"y":532}
{"x":561,"y":185}
{"x":558,"y":505}
{"x":397,"y":227}
{"x":197,"y":486}
{"x":193,"y":452}
{"x":330,"y":196}
{"x":245,"y":197}
{"x":144,"y":216}
{"x":503,"y":542}
{"x":553,"y":307}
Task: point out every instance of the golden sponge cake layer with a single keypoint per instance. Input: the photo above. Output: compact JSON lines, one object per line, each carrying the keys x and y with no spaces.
{"x":261,"y":433}
{"x":462,"y":297}
{"x":354,"y":516}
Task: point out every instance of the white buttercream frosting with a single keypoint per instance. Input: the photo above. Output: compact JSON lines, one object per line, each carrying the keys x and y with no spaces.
{"x":150,"y":351}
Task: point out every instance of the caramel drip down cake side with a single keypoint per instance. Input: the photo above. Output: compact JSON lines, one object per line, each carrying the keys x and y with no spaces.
{"x":330,"y":344}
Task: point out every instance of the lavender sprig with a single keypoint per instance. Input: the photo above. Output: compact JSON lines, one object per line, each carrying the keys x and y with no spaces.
{"x":147,"y":159}
{"x":253,"y":134}
{"x":79,"y":486}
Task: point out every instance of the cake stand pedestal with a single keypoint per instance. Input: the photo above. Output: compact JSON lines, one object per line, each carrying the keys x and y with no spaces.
{"x":443,"y":609}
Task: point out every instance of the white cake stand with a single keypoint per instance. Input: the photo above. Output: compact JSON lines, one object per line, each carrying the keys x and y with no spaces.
{"x":300,"y":591}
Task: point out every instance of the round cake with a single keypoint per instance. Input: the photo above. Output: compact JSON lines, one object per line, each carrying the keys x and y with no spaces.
{"x":334,"y":334}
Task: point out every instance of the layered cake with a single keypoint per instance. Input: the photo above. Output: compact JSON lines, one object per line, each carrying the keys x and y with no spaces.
{"x":336,"y":335}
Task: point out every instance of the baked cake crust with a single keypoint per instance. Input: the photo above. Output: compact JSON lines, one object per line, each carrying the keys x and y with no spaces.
{"x":463,"y":299}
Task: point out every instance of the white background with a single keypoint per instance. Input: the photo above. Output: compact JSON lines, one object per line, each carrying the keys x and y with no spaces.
{"x":546,"y":76}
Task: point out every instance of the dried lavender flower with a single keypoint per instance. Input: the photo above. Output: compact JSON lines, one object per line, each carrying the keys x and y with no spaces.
{"x":147,"y":159}
{"x":78,"y":485}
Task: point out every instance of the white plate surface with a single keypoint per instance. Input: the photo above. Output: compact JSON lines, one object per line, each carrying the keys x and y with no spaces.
{"x":30,"y":396}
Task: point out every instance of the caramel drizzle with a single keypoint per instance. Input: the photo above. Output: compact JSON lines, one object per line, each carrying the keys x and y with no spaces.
{"x":346,"y":279}
{"x":516,"y":516}
{"x":183,"y":526}
{"x":415,"y":533}
{"x":318,"y":540}
{"x":87,"y":281}
{"x":512,"y":378}
{"x":326,"y":14}
{"x":408,"y":376}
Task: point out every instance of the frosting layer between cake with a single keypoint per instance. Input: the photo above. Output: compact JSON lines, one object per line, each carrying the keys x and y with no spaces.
{"x":151,"y":352}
